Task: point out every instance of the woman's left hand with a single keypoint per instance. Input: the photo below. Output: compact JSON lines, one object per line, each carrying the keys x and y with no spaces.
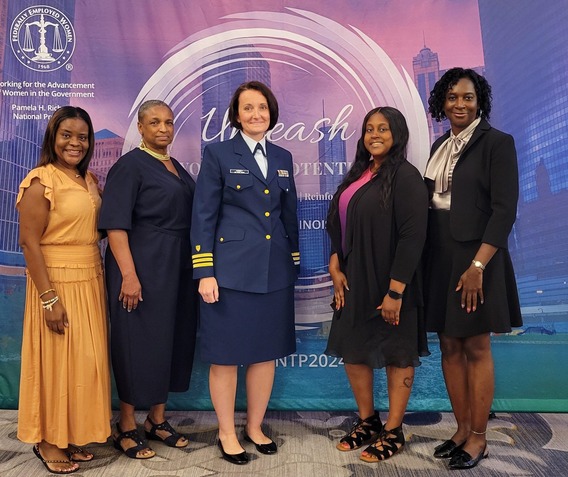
{"x":130,"y":292}
{"x":471,"y":286}
{"x":390,"y":310}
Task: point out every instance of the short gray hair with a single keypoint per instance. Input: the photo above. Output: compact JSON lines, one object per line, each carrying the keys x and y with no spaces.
{"x":150,"y":104}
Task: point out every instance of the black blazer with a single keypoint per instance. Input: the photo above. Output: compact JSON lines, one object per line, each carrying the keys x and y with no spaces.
{"x":485,"y":187}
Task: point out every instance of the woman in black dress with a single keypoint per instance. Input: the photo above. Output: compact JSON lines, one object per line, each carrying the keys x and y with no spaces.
{"x":470,"y":284}
{"x":377,"y":224}
{"x":146,"y":211}
{"x":245,"y":254}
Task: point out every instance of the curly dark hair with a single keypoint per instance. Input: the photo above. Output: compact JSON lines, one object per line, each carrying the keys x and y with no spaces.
{"x":449,"y":80}
{"x":48,"y":155}
{"x":262,"y":89}
{"x":387,"y":171}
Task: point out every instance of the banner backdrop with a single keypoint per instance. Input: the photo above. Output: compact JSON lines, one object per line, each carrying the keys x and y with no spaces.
{"x":328,"y":63}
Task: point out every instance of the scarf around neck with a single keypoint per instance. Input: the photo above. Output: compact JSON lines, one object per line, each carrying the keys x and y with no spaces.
{"x":439,"y":165}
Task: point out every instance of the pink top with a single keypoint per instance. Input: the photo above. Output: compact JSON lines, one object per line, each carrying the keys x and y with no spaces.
{"x":346,"y":197}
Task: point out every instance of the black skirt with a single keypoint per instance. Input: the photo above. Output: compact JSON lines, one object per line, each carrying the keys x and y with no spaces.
{"x":377,"y":344}
{"x":445,"y":261}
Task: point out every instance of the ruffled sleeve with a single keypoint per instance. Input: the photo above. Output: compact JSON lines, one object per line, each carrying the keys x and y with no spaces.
{"x":93,"y":177}
{"x":45,"y":178}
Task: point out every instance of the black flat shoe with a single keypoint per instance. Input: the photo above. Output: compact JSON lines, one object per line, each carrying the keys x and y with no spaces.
{"x":239,"y":459}
{"x":447,"y":449}
{"x":267,"y":449}
{"x":463,"y":460}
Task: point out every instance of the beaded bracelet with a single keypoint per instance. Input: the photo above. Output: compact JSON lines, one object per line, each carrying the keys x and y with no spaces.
{"x":48,"y":305}
{"x":46,"y":292}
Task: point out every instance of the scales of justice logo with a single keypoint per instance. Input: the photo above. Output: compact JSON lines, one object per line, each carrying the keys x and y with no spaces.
{"x":42,"y":38}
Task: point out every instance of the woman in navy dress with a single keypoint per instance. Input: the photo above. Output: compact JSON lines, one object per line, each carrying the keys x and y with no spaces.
{"x":245,"y":255}
{"x":146,"y":211}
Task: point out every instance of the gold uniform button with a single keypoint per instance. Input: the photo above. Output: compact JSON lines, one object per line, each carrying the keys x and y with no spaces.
{"x":267,"y":237}
{"x":267,"y":214}
{"x":238,"y":186}
{"x":221,"y":239}
{"x":266,"y":191}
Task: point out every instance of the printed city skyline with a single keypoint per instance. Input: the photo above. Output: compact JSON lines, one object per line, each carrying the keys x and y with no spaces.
{"x":419,"y":43}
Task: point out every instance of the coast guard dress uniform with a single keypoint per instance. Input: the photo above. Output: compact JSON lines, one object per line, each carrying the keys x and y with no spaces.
{"x":245,"y":234}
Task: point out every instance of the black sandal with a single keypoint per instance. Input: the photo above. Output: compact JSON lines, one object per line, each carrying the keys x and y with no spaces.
{"x":391,"y":441}
{"x":363,"y":432}
{"x":132,"y":452}
{"x":172,"y":440}
{"x":78,"y":450}
{"x":47,"y":462}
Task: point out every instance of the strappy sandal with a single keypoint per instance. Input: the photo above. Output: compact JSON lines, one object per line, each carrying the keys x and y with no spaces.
{"x":132,"y":452}
{"x":73,"y":450}
{"x":390,"y":441}
{"x":362,"y":433}
{"x":172,"y":440}
{"x":47,"y":462}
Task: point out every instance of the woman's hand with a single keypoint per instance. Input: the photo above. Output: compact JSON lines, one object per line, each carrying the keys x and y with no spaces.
{"x":471,"y":286}
{"x":339,"y":286}
{"x":56,"y":319}
{"x":208,"y":289}
{"x":339,"y":282}
{"x":390,"y":310}
{"x":130,"y":292}
{"x":130,"y":289}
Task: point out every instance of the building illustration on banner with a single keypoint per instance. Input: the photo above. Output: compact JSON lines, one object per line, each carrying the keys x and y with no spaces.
{"x":538,"y":122}
{"x":531,"y":102}
{"x":20,"y":139}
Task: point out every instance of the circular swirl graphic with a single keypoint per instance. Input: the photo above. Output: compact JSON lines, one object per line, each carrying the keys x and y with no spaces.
{"x":276,"y":46}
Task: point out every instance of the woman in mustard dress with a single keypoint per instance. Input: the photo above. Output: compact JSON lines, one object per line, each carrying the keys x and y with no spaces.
{"x":64,"y":386}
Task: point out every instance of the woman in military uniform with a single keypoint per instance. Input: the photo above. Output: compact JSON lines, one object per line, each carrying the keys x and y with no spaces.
{"x":245,"y":255}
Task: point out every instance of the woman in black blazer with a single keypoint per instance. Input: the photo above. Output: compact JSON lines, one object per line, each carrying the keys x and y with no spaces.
{"x":469,"y":280}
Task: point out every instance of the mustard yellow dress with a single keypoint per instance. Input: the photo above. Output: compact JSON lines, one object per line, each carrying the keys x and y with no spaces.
{"x":65,"y":381}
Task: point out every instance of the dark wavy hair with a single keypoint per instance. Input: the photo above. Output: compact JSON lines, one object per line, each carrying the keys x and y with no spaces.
{"x":385,"y":175}
{"x":448,"y":80}
{"x":262,"y":89}
{"x":47,"y":154}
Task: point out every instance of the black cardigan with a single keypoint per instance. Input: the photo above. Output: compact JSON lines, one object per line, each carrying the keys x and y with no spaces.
{"x":383,"y":244}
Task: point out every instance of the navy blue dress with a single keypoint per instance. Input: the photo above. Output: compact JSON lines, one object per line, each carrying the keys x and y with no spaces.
{"x":153,"y":346}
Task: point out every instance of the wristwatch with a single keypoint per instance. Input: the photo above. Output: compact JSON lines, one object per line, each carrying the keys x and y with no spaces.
{"x":478,"y":264}
{"x":394,"y":295}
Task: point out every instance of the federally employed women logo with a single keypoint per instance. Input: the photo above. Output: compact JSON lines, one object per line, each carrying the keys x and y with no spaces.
{"x":42,"y":38}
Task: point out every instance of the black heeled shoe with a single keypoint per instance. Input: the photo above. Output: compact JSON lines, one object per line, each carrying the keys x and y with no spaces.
{"x":267,"y":449}
{"x":463,"y":460}
{"x":239,"y":459}
{"x":447,"y":449}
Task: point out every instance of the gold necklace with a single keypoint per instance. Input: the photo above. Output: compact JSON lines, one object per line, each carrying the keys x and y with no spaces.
{"x":157,"y":155}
